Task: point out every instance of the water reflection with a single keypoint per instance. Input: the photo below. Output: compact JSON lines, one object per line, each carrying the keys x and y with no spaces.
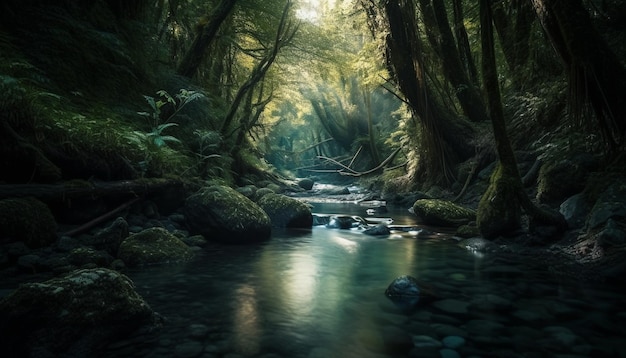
{"x":320,"y":293}
{"x":246,"y":322}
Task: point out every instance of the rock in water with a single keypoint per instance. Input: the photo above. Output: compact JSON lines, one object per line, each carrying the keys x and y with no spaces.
{"x":342,"y":222}
{"x":442,"y":213}
{"x":73,"y":315}
{"x":306,"y":183}
{"x":404,"y":291}
{"x":286,"y":212}
{"x":222,"y":214}
{"x":378,"y":230}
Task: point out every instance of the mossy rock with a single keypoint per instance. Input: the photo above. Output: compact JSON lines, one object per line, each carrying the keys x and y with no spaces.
{"x":153,"y":246}
{"x":467,"y":231}
{"x":442,"y":213}
{"x":286,"y":212}
{"x":27,"y":220}
{"x":222,"y":214}
{"x":262,"y":192}
{"x":560,"y":180}
{"x":72,"y":315}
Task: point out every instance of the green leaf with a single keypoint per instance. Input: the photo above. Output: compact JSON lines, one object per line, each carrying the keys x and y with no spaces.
{"x":169,"y":138}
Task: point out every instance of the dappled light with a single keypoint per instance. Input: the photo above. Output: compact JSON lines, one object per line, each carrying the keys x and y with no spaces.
{"x":312,"y":178}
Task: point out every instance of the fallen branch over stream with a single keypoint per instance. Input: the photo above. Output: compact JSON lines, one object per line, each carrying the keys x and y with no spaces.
{"x":346,"y":170}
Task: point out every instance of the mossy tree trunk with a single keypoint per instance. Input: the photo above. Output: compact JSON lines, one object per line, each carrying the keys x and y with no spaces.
{"x":193,"y":58}
{"x":500,"y":208}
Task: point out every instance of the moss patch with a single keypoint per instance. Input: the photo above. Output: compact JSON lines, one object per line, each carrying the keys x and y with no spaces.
{"x":27,"y":220}
{"x":442,"y":213}
{"x":499,"y":211}
{"x":286,"y":212}
{"x":221,"y":213}
{"x":153,"y":246}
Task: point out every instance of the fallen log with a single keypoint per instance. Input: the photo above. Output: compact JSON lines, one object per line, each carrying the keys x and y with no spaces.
{"x":83,"y":188}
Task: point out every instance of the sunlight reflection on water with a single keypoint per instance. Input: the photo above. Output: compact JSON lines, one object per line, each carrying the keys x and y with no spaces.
{"x":320,"y":292}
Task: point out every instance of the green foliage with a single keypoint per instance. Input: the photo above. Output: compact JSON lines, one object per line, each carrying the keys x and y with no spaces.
{"x":183,"y":98}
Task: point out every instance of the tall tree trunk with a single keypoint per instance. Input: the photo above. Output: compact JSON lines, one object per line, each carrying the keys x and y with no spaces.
{"x":499,"y":210}
{"x":596,"y":75}
{"x":445,"y":138}
{"x":193,"y":58}
{"x":513,"y":22}
{"x":463,"y":45}
{"x":436,"y":17}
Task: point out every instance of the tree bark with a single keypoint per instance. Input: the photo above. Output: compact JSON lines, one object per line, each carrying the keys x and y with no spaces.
{"x":596,"y":75}
{"x":513,"y":24}
{"x":467,"y":94}
{"x":499,"y":210}
{"x":445,"y":138}
{"x":193,"y":58}
{"x":463,"y":45}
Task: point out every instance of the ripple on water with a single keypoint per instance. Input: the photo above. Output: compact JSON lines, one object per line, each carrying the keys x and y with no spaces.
{"x":320,"y":293}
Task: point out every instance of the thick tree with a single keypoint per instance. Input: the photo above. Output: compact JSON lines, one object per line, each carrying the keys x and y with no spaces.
{"x":597,"y":78}
{"x":193,"y":58}
{"x":445,"y":138}
{"x":500,"y":208}
{"x":435,"y":18}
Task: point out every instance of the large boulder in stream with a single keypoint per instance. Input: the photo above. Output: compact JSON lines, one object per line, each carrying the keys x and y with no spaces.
{"x":442,"y":213}
{"x":222,"y":214}
{"x":286,"y":212}
{"x":73,"y":315}
{"x":153,"y":246}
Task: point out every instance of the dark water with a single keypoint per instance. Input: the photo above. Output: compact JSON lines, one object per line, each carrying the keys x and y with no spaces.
{"x":320,"y":293}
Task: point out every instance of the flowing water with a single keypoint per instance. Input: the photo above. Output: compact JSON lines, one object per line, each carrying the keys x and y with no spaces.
{"x":320,"y":293}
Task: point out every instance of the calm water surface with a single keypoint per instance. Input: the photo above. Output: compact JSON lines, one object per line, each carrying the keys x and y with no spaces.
{"x":320,"y":293}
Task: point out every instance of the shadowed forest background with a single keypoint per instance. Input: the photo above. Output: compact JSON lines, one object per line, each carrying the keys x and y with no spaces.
{"x":520,"y":103}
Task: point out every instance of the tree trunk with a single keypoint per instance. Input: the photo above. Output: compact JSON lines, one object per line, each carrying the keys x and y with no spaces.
{"x":463,"y":45}
{"x":193,"y":58}
{"x":436,"y":17}
{"x":596,"y":75}
{"x":445,"y":138}
{"x":499,"y":210}
{"x":513,"y":24}
{"x":284,"y":34}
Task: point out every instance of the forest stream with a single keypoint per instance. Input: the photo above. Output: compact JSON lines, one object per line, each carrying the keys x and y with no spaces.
{"x":321,"y":293}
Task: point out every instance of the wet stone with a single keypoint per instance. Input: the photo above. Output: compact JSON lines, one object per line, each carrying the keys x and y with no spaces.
{"x":452,"y":306}
{"x":449,"y":353}
{"x":490,"y":302}
{"x":562,"y":337}
{"x":189,"y":349}
{"x":29,"y":262}
{"x":423,"y":341}
{"x":198,"y":331}
{"x":453,"y":342}
{"x":448,"y":330}
{"x":482,"y":327}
